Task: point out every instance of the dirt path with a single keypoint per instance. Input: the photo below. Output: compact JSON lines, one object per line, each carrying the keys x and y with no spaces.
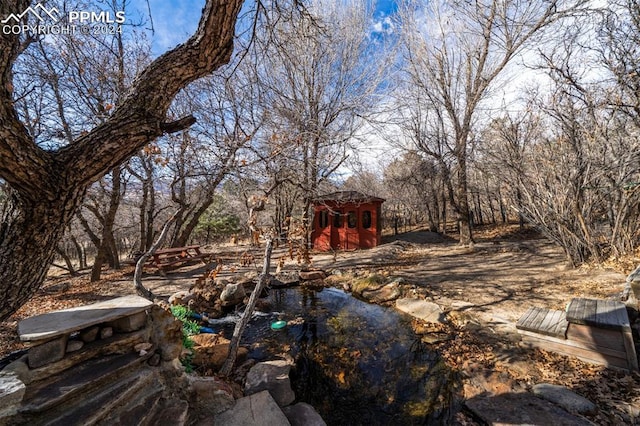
{"x":498,"y":281}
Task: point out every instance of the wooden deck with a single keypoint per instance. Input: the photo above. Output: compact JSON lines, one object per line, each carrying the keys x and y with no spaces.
{"x":593,"y":330}
{"x":544,"y":321}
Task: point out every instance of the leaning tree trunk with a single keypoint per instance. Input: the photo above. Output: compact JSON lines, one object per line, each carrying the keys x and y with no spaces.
{"x":238,"y":330}
{"x":189,"y":224}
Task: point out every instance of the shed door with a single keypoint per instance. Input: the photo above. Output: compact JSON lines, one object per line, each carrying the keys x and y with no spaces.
{"x":367,"y":227}
{"x":352,"y":240}
{"x":336,"y":228}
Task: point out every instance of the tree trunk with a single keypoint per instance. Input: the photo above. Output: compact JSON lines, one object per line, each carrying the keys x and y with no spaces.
{"x":108,"y":251}
{"x":29,"y":234}
{"x":189,"y":224}
{"x":248,"y":311}
{"x":137,"y":275}
{"x":82,"y":258}
{"x":464,"y":217}
{"x":67,"y":261}
{"x":461,"y":204}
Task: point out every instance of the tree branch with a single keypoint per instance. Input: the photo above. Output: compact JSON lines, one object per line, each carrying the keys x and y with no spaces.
{"x":178,"y":125}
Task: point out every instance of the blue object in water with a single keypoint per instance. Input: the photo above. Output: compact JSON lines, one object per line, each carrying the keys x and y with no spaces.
{"x":206,"y":330}
{"x":195,"y":316}
{"x":278,"y":325}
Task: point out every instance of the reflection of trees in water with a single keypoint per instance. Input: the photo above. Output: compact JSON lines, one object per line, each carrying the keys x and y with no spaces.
{"x":361,"y":364}
{"x":310,"y":326}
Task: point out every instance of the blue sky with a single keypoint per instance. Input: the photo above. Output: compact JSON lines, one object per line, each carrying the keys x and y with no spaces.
{"x":175,"y":20}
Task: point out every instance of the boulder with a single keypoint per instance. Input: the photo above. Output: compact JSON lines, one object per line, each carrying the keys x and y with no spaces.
{"x":421,"y":309}
{"x":303,"y":414}
{"x":232,"y":294}
{"x":211,"y":350}
{"x":634,"y":276}
{"x":565,"y":398}
{"x":285,"y":279}
{"x":180,"y":298}
{"x":313,"y":284}
{"x":386,"y":293}
{"x":368,"y":283}
{"x":258,"y":409}
{"x":48,"y":352}
{"x":89,"y":334}
{"x":166,"y":333}
{"x":74,"y":345}
{"x":274,"y":377}
{"x":209,"y":340}
{"x":106,"y":332}
{"x":129,"y":323}
{"x":209,"y":395}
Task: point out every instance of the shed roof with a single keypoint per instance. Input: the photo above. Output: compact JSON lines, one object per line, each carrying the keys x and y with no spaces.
{"x":346,"y":197}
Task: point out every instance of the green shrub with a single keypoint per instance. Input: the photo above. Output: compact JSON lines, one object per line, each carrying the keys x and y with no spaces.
{"x":189,"y":328}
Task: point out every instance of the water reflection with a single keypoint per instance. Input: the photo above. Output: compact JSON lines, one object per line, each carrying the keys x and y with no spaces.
{"x":356,"y":363}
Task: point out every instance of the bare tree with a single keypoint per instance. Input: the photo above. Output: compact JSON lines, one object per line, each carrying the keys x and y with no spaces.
{"x":81,"y":77}
{"x":319,"y":77}
{"x":415,"y":189}
{"x":455,"y":51}
{"x":575,"y":161}
{"x":207,"y":153}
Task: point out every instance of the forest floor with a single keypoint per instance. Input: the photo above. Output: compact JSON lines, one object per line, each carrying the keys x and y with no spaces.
{"x":490,"y":286}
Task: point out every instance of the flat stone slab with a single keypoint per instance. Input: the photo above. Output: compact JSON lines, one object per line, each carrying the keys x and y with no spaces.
{"x":259,"y":409}
{"x":65,"y":321}
{"x":565,"y":398}
{"x":521,"y":409}
{"x":426,"y":311}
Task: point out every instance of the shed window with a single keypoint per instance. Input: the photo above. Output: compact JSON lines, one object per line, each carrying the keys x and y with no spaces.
{"x":337,"y":219}
{"x":352,"y":219}
{"x":366,"y":219}
{"x":323,"y":219}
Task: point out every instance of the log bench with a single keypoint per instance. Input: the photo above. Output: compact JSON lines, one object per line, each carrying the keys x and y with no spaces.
{"x":593,"y":330}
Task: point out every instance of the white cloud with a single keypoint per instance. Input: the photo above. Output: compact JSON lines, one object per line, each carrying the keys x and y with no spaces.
{"x":383,"y":25}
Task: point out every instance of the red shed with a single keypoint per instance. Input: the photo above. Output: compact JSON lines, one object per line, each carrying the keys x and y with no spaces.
{"x":346,"y":220}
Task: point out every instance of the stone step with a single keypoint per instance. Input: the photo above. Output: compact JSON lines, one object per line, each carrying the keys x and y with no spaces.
{"x":79,"y":381}
{"x":173,"y":412}
{"x":137,"y":407}
{"x":107,"y":401}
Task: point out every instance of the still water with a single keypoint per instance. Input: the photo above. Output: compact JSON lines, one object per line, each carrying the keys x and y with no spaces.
{"x":356,"y":363}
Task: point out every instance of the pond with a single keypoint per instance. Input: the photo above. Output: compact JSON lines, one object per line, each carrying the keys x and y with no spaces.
{"x":356,"y":363}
